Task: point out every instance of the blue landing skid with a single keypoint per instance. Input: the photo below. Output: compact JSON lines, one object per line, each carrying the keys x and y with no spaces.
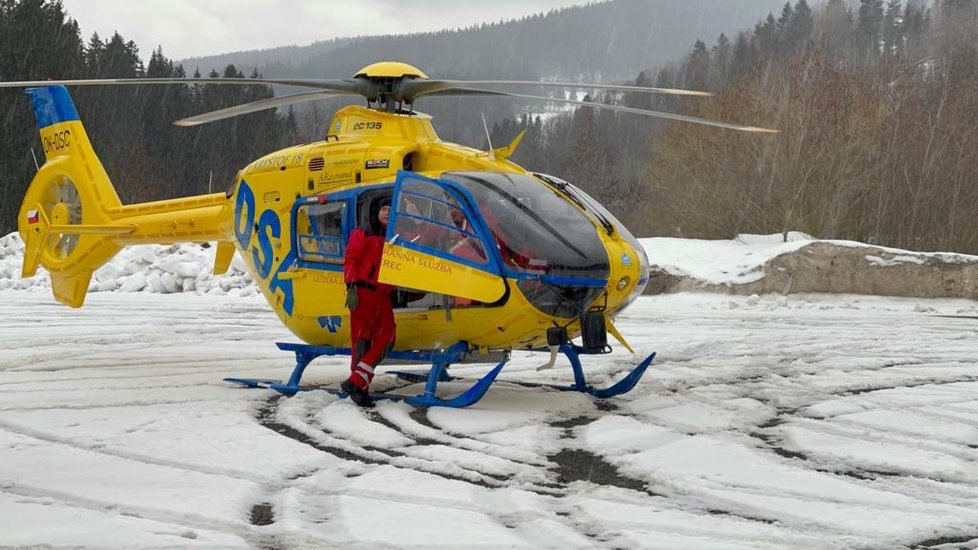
{"x":573,"y":354}
{"x":440,"y":361}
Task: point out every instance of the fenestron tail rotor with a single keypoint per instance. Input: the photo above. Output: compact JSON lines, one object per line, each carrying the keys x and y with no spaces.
{"x":63,"y":205}
{"x":394,"y":86}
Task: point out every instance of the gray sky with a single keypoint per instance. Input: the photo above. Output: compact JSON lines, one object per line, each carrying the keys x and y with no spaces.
{"x":187,"y":28}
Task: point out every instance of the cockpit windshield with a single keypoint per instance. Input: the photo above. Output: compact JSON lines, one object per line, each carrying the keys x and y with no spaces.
{"x":549,"y":245}
{"x":608,"y":220}
{"x":536,"y":229}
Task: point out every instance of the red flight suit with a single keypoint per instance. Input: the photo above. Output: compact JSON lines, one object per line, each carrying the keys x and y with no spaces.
{"x":372,"y":327}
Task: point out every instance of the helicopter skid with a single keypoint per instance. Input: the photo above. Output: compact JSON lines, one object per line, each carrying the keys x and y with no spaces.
{"x":622,"y":386}
{"x":440,"y":361}
{"x":272,"y":384}
{"x":573,"y":354}
{"x":285,"y":389}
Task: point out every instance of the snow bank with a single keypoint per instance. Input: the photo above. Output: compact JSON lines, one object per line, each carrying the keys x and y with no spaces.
{"x":747,"y":264}
{"x":736,"y":261}
{"x":762,"y":264}
{"x":144,"y":268}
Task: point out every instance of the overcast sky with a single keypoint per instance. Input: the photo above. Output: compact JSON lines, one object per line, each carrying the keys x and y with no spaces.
{"x":188,"y":28}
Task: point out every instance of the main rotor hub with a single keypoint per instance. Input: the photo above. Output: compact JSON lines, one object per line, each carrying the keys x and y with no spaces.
{"x":387,"y":80}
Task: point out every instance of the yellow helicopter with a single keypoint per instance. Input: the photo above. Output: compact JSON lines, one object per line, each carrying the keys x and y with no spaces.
{"x":542,"y":262}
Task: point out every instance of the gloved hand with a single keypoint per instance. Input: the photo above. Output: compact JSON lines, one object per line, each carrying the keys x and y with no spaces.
{"x":352,"y":300}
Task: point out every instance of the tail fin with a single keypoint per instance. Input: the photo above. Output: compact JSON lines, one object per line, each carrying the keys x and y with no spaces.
{"x":72,"y":221}
{"x":64,"y":219}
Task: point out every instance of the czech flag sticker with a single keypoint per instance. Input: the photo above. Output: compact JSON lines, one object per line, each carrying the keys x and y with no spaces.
{"x":32,"y":216}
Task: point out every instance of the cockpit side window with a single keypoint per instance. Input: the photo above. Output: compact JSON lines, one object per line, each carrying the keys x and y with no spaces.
{"x":319,"y":232}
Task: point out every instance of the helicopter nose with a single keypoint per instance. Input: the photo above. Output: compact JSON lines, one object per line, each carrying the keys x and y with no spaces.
{"x":629,"y":274}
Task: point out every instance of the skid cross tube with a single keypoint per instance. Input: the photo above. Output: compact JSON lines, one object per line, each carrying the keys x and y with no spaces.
{"x":439,"y":359}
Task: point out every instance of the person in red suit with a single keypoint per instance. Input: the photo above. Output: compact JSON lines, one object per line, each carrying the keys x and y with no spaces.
{"x":372,"y":328}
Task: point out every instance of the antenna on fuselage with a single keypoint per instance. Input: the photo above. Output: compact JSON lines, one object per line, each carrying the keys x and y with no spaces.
{"x":492,"y":153}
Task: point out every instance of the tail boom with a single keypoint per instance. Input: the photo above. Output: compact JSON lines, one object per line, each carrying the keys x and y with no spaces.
{"x":190,"y":219}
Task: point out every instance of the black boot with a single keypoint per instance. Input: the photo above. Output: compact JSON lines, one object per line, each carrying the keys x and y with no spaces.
{"x":358,"y":396}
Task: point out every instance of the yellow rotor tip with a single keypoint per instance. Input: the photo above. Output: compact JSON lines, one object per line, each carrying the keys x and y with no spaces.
{"x":696,"y":93}
{"x":760,"y":130}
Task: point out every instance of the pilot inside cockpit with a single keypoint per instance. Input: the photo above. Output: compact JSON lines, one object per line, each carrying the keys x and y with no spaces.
{"x":496,"y":214}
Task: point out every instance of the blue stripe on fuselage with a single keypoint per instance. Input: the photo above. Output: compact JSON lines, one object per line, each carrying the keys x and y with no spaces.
{"x":52,"y":105}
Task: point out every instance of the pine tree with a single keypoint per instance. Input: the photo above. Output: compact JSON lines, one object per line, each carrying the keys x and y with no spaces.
{"x":868,"y":27}
{"x":916,"y":23}
{"x":698,"y":67}
{"x":741,"y":54}
{"x":892,"y":33}
{"x":766,"y":36}
{"x":783,"y":25}
{"x":800,"y":28}
{"x":836,"y":30}
{"x":37,"y":41}
{"x":721,"y":55}
{"x":957,"y":40}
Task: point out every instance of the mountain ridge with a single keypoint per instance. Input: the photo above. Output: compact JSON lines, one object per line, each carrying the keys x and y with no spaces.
{"x":602,"y":41}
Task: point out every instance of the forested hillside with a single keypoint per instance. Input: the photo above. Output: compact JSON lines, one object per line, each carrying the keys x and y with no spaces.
{"x":148,"y":158}
{"x":876,"y":100}
{"x":877,"y":103}
{"x":878,"y":108}
{"x":607,"y":40}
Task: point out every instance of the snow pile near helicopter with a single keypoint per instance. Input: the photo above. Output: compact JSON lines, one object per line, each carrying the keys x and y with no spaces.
{"x":747,"y":264}
{"x":797,"y":263}
{"x":144,"y":268}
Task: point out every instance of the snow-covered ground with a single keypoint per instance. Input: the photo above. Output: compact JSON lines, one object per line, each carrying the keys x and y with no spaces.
{"x":806,"y":421}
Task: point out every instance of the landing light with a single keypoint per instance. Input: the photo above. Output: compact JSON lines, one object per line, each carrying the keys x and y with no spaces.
{"x":623,"y":282}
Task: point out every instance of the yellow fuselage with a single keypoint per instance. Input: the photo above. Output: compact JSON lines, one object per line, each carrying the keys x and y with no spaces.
{"x":364,"y":147}
{"x":363,"y":135}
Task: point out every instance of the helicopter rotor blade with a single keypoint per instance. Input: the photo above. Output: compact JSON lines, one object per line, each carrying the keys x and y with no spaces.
{"x":340,"y":85}
{"x":406,"y":90}
{"x":618,"y":108}
{"x":254,"y":106}
{"x":411,"y":89}
{"x":544,"y":84}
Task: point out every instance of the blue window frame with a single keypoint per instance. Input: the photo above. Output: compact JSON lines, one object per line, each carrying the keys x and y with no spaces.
{"x":438,"y":218}
{"x":320,"y":232}
{"x":320,"y":228}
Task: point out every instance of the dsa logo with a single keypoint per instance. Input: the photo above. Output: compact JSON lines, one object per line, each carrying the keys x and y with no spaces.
{"x":331,"y":323}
